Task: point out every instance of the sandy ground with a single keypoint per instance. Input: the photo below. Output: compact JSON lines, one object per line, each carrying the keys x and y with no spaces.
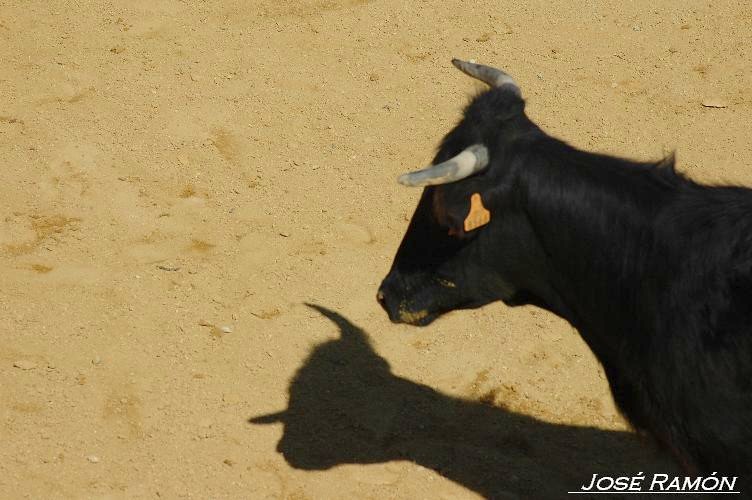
{"x":180,"y":177}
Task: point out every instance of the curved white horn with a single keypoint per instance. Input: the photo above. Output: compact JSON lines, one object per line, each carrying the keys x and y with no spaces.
{"x":492,"y":76}
{"x":470,"y":161}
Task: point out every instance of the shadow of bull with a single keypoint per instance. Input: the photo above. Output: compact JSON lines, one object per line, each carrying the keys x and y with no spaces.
{"x":346,"y":407}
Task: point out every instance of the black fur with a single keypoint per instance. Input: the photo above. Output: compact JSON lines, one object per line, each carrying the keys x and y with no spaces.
{"x":653,"y":269}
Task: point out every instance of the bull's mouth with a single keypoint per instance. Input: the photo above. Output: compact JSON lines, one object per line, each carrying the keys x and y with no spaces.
{"x":421,"y":307}
{"x":416,"y":318}
{"x":424,"y":317}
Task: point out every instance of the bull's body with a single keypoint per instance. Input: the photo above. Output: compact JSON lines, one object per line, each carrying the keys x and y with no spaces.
{"x":655,"y":272}
{"x":653,"y":269}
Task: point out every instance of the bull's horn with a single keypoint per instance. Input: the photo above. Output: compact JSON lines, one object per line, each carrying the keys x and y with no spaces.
{"x":468,"y":162}
{"x":492,"y":76}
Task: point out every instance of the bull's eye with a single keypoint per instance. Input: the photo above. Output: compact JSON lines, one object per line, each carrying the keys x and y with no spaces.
{"x":439,"y":207}
{"x":444,"y":214}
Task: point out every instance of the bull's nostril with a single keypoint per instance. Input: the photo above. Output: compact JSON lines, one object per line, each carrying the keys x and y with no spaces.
{"x":380,"y":298}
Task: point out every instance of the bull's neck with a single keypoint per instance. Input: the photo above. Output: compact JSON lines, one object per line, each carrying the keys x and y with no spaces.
{"x":594,"y":216}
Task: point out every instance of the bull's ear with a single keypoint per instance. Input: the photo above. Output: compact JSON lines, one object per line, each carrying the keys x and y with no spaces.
{"x":466,"y":215}
{"x":478,"y":215}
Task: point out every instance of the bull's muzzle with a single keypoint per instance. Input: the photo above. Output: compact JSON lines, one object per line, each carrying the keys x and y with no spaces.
{"x":396,"y":306}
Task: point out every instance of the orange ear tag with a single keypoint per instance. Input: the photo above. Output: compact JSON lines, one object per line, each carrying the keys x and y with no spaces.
{"x":478,"y":215}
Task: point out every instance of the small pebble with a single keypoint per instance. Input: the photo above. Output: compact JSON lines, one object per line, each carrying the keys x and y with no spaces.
{"x":96,"y":361}
{"x":203,"y":322}
{"x":25,"y":364}
{"x":714,"y":103}
{"x":93,"y":459}
{"x":226,"y":329}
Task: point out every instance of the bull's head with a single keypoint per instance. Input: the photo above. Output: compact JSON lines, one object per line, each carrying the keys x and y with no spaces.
{"x":468,"y":242}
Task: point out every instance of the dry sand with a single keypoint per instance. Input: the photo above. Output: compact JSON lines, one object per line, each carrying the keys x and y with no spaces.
{"x":173,"y":171}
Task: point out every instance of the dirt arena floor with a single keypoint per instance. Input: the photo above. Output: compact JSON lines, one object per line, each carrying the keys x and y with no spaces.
{"x":180,"y":177}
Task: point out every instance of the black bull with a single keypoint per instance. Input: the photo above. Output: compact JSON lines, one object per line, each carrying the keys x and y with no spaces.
{"x":654,"y":270}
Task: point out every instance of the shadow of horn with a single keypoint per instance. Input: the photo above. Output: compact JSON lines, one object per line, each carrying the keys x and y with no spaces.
{"x":271,"y":418}
{"x":347,"y":329}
